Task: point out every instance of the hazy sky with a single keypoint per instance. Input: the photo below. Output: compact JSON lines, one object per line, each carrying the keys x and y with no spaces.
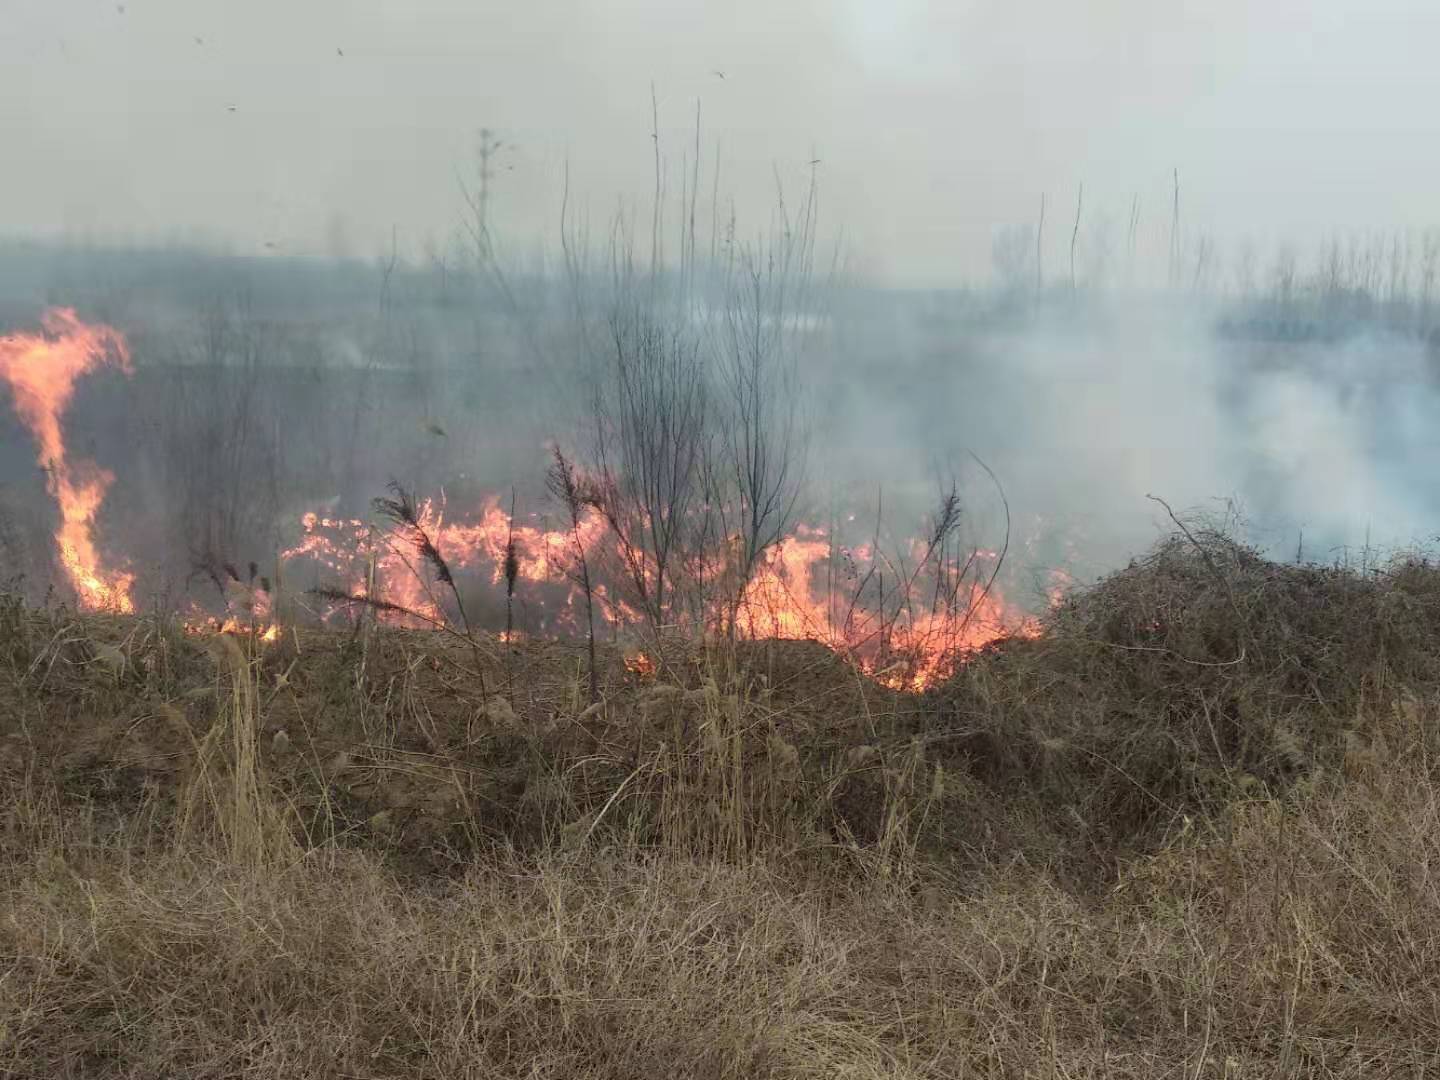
{"x":934,"y":122}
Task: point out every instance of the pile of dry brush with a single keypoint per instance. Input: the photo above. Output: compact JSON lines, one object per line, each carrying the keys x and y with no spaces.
{"x":1199,"y":675}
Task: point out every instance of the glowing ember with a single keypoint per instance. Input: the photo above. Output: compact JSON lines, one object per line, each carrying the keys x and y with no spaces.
{"x":639,"y":663}
{"x":267,"y":634}
{"x":42,"y":370}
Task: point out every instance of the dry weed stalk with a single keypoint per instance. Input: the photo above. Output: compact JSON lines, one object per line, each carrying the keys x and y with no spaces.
{"x":568,"y":486}
{"x":512,"y":572}
{"x":225,"y":788}
{"x":401,"y":509}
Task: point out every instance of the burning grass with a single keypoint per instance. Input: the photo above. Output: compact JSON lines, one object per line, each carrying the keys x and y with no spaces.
{"x":41,"y":370}
{"x":1190,"y":828}
{"x":712,"y":550}
{"x":907,"y":617}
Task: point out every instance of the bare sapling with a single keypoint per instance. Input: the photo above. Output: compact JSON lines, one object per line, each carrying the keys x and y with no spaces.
{"x":650,"y":410}
{"x":1075,"y":233}
{"x":696,"y":458}
{"x":758,"y":468}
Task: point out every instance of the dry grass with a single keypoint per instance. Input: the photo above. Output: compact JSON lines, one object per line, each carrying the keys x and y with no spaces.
{"x":1193,"y":831}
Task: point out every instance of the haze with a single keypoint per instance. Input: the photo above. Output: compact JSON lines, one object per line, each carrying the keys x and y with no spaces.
{"x":316,"y":128}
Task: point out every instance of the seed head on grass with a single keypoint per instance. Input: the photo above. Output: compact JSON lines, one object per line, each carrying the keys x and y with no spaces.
{"x":374,"y":603}
{"x":512,"y":573}
{"x":573,"y":491}
{"x":512,"y":566}
{"x":402,"y":510}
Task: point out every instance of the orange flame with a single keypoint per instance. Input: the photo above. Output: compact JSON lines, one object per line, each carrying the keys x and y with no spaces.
{"x":898,"y":637}
{"x":42,"y":370}
{"x":639,"y":663}
{"x":199,"y":624}
{"x":907,"y":629}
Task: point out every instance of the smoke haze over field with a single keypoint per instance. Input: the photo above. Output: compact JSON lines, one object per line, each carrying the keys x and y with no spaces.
{"x":1320,"y":446}
{"x":264,"y":388}
{"x":275,"y":205}
{"x":316,"y":127}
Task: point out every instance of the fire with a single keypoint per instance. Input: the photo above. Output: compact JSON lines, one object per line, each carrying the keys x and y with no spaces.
{"x":1061,"y":583}
{"x":42,"y":370}
{"x":248,"y":613}
{"x":641,"y":664}
{"x":375,"y":563}
{"x":371,"y":563}
{"x":907,"y":618}
{"x":908,"y":633}
{"x":265,"y":633}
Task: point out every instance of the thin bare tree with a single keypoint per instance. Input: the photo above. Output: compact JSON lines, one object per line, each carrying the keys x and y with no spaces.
{"x":759,"y":461}
{"x":650,"y":406}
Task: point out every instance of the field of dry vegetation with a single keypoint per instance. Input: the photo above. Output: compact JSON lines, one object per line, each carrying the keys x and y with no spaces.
{"x":1191,"y":830}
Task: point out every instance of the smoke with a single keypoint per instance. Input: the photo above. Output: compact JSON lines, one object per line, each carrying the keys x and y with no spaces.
{"x":263,"y":389}
{"x":1338,"y":441}
{"x":1319,"y":447}
{"x":318,"y":129}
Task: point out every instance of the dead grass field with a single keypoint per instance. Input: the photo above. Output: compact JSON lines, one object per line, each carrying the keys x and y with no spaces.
{"x":1191,"y":831}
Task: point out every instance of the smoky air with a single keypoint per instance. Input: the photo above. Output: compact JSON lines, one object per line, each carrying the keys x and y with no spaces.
{"x":764,"y":338}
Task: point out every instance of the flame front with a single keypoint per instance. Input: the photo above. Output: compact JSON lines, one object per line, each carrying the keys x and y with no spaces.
{"x":907,"y":629}
{"x":908,"y":634}
{"x":42,"y":370}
